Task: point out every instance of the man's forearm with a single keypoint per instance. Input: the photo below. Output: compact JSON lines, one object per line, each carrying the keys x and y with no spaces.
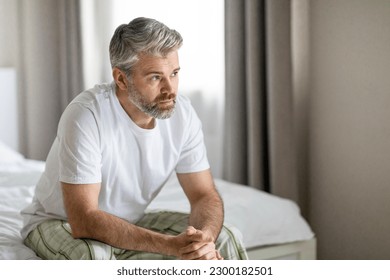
{"x":208,"y":215}
{"x":117,"y":232}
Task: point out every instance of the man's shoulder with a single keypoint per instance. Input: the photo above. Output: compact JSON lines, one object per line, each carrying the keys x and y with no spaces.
{"x":94,"y":95}
{"x":89,"y":104}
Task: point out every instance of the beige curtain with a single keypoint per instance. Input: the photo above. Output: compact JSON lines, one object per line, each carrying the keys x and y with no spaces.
{"x":49,"y":69}
{"x":259,"y":144}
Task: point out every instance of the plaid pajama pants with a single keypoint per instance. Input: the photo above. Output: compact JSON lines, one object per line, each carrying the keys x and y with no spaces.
{"x":52,"y":239}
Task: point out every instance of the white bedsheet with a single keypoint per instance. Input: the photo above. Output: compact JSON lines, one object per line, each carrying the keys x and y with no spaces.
{"x":263,"y":219}
{"x":16,"y":190}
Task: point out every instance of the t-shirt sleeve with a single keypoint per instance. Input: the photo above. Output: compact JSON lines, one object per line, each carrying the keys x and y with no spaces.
{"x":79,"y":146}
{"x":193,"y":157}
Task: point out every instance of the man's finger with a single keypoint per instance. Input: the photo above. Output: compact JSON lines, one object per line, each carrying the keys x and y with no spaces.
{"x":194,"y":246}
{"x":203,"y":252}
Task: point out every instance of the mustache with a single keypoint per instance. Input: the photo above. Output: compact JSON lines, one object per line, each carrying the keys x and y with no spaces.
{"x":166,"y":97}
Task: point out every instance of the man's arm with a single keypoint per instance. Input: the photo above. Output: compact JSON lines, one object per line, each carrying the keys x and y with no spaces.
{"x":206,"y":212}
{"x":88,"y":221}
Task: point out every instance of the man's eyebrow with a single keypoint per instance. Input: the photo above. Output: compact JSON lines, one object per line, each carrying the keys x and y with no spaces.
{"x":151,"y":72}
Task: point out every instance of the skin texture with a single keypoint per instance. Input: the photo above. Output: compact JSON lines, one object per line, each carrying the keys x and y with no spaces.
{"x":153,"y":84}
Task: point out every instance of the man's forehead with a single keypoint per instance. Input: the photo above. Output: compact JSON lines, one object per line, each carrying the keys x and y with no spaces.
{"x":148,"y":62}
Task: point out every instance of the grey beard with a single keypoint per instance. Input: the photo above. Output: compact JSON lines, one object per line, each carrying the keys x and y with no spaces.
{"x":153,"y":110}
{"x":150,"y":108}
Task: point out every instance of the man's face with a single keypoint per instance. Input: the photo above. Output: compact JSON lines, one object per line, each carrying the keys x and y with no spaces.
{"x":154,"y":83}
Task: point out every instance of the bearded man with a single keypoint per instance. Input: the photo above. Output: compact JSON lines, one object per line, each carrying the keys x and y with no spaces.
{"x":117,"y":145}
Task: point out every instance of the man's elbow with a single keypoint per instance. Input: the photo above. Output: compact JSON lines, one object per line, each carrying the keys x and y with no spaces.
{"x":79,"y":228}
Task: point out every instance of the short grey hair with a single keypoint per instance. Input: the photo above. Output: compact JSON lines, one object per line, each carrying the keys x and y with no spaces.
{"x":141,"y":35}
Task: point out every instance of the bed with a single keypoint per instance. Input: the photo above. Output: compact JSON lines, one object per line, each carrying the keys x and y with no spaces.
{"x":271,"y":227}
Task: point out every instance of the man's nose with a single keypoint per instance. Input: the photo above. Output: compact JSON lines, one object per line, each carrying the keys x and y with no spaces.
{"x":168,"y":86}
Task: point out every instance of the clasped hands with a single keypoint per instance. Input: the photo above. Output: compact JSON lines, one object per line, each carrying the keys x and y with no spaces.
{"x":194,"y":244}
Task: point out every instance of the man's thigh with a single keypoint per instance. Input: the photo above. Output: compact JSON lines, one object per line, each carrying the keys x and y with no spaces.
{"x":52,"y":239}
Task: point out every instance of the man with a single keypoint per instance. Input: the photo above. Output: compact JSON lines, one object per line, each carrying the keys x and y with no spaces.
{"x":116,"y":146}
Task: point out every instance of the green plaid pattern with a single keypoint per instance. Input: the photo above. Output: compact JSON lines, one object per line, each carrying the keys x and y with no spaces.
{"x":52,"y":239}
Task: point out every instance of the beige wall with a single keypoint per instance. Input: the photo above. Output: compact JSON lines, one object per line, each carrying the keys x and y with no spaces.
{"x":350,"y":128}
{"x":8,"y":33}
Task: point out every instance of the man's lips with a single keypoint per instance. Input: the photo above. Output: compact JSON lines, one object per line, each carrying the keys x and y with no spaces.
{"x":168,"y":101}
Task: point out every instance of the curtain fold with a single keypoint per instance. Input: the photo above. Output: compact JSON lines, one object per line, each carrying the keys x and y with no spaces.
{"x":49,"y":69}
{"x":70,"y":51}
{"x":259,"y":145}
{"x":245,"y":139}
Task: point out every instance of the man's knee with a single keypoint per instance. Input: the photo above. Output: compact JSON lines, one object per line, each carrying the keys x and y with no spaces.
{"x":230,"y":245}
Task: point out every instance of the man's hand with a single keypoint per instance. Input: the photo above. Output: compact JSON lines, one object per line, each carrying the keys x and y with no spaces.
{"x":198,"y":245}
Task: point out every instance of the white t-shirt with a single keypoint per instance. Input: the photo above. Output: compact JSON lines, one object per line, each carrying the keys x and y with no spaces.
{"x":98,"y":143}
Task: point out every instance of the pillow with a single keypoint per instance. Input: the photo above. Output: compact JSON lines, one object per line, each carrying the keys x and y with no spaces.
{"x":7,"y":155}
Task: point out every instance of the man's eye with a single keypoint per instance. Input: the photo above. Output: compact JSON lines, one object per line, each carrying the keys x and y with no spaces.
{"x":155,"y":78}
{"x":174,"y":74}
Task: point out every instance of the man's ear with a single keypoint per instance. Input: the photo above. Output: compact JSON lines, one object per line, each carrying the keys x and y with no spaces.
{"x":120,"y":79}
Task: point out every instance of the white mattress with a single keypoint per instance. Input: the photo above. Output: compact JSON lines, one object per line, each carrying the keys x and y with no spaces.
{"x":262,"y":218}
{"x":16,"y":190}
